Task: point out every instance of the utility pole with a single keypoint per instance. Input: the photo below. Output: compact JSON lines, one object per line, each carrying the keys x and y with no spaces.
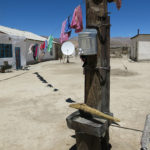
{"x":97,"y":82}
{"x":89,"y":135}
{"x":97,"y":69}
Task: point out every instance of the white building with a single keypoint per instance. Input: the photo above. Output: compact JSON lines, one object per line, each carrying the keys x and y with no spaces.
{"x":14,"y":47}
{"x":140,"y":47}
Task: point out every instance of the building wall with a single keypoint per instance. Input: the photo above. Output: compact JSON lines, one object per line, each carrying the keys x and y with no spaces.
{"x":139,"y":54}
{"x":133,"y":52}
{"x":58,"y":53}
{"x":144,"y":50}
{"x":5,"y":39}
{"x":46,"y":56}
{"x":144,"y":55}
{"x":24,"y":45}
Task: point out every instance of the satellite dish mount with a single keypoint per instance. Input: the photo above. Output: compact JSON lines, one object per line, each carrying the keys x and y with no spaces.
{"x":67,"y":49}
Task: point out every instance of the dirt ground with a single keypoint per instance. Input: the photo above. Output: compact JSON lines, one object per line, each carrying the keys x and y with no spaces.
{"x":33,"y":104}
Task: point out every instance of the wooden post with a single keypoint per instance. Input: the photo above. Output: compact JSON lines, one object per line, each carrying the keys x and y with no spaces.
{"x":97,"y":82}
{"x":97,"y":72}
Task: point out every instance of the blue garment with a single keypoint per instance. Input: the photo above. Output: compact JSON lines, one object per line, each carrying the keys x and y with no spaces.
{"x":68,"y":27}
{"x":46,"y":45}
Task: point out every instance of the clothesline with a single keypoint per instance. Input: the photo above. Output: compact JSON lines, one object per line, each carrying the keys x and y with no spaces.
{"x":76,"y":24}
{"x":67,"y":26}
{"x":118,"y":4}
{"x":70,"y":14}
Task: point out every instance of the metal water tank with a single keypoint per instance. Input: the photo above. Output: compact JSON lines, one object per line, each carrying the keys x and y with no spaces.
{"x":88,"y":42}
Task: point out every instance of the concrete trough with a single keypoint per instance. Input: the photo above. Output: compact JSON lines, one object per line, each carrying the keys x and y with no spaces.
{"x":83,"y":125}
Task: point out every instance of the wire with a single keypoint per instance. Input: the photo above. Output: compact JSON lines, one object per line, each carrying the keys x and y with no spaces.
{"x":127,"y":128}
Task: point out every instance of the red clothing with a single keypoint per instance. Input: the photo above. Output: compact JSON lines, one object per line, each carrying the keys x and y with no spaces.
{"x":42,"y":46}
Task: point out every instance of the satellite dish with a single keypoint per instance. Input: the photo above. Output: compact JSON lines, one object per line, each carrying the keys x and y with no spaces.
{"x":67,"y":48}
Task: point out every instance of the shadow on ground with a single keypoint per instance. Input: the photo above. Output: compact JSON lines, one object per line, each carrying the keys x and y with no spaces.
{"x":74,"y":147}
{"x":44,"y":81}
{"x":69,"y":100}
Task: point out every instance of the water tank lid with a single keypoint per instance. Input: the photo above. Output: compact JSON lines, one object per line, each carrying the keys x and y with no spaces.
{"x":88,"y":32}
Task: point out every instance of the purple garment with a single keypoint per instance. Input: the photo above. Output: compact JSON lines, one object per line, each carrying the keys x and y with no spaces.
{"x":63,"y":36}
{"x":77,"y":22}
{"x":36,"y":50}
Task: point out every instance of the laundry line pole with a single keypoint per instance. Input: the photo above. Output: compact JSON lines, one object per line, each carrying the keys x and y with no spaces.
{"x":93,"y":133}
{"x":97,"y":72}
{"x":97,"y":82}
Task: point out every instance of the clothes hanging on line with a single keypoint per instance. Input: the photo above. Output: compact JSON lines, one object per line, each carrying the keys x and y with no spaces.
{"x":50,"y":43}
{"x":68,"y":26}
{"x":42,"y":46}
{"x":118,"y":4}
{"x":36,"y":50}
{"x":77,"y":22}
{"x":64,"y":36}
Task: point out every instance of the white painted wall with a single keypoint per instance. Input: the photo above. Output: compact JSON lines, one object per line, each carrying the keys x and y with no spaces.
{"x":133,"y":54}
{"x":5,"y":39}
{"x":140,"y":48}
{"x":24,"y":49}
{"x":144,"y":50}
{"x":30,"y":58}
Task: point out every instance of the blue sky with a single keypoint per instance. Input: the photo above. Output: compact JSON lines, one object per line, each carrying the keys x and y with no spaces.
{"x":45,"y":17}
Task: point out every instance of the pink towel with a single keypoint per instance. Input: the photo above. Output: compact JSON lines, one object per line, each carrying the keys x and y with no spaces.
{"x":77,"y":22}
{"x":64,"y":36}
{"x":118,"y":4}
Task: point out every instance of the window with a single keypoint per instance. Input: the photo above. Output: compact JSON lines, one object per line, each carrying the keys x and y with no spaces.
{"x":5,"y":50}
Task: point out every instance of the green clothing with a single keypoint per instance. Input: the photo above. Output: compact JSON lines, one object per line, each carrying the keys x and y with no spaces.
{"x":50,"y":43}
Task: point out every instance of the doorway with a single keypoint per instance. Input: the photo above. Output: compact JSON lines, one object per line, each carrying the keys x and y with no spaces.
{"x":18,"y":59}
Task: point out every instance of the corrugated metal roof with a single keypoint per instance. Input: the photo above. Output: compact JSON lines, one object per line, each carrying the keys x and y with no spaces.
{"x":27,"y":35}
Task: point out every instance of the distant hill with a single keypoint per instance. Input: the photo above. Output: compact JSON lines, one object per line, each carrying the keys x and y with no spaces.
{"x":120,"y":42}
{"x":114,"y":42}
